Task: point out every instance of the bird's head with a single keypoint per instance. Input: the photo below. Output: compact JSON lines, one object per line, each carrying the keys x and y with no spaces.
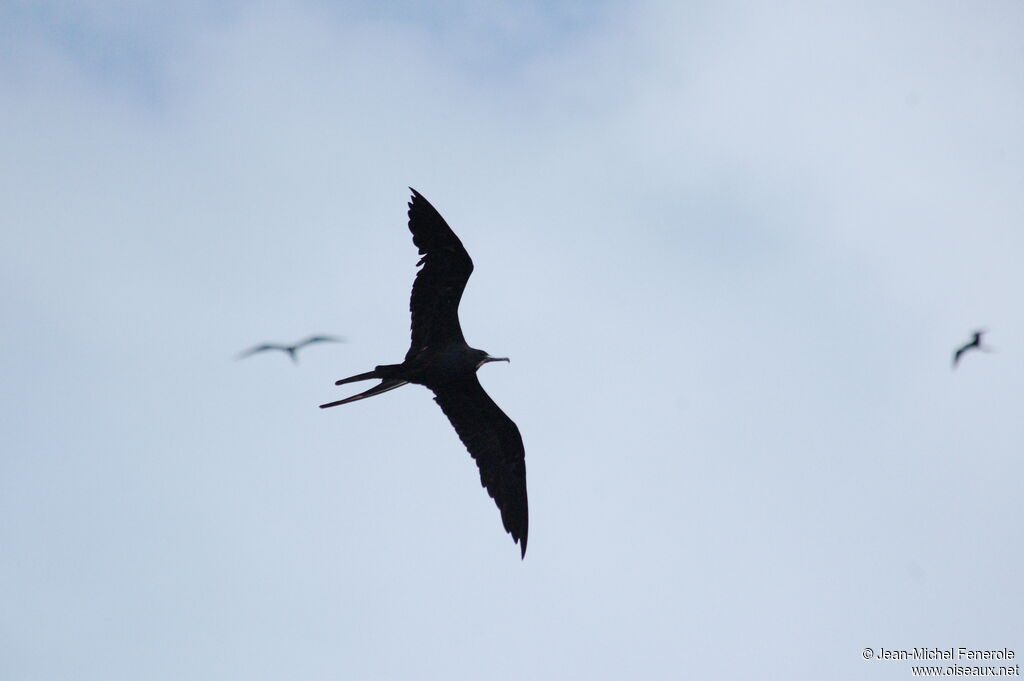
{"x":483,"y":358}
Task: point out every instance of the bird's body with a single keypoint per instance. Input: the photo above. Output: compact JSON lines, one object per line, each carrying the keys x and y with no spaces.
{"x":974,"y":343}
{"x":290,"y":349}
{"x":440,"y":359}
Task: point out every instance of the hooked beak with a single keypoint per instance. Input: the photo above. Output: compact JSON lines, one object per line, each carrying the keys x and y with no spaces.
{"x":488,"y":358}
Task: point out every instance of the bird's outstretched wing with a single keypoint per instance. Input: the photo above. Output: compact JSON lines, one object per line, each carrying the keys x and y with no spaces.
{"x":438,"y":287}
{"x":493,"y":439}
{"x":260,"y":348}
{"x":975,"y":342}
{"x":318,"y":339}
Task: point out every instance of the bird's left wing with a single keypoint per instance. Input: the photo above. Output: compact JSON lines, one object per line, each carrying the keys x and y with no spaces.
{"x":258,"y":348}
{"x":493,"y":439}
{"x":319,"y":339}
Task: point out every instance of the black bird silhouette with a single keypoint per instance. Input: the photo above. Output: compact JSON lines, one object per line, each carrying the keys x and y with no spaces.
{"x":975,"y":343}
{"x":290,"y":349}
{"x":440,"y":359}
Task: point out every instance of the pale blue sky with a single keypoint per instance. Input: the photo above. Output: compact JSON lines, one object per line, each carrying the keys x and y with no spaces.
{"x":729,"y":248}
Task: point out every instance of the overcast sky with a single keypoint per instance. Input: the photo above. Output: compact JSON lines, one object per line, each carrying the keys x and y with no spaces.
{"x":729,"y":247}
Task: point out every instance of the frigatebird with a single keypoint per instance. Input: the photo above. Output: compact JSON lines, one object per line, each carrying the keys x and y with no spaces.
{"x":975,"y":343}
{"x":440,"y":359}
{"x":290,"y":349}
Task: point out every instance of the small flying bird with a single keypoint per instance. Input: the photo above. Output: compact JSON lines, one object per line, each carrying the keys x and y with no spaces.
{"x":290,"y":349}
{"x":975,"y":343}
{"x":440,"y":359}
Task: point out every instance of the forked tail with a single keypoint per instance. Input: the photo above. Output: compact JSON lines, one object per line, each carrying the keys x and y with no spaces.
{"x":385,"y":385}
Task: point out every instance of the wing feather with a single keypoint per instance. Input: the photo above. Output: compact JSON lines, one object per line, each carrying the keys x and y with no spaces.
{"x":493,"y":440}
{"x":259,"y":348}
{"x":318,"y":339}
{"x":437,"y":290}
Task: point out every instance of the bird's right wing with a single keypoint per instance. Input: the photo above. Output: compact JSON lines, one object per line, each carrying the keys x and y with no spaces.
{"x":438,"y":287}
{"x":493,"y":439}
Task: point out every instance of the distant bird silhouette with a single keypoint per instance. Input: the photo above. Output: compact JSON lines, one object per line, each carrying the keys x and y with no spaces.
{"x":440,"y":359}
{"x":290,"y":349}
{"x":975,"y":343}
